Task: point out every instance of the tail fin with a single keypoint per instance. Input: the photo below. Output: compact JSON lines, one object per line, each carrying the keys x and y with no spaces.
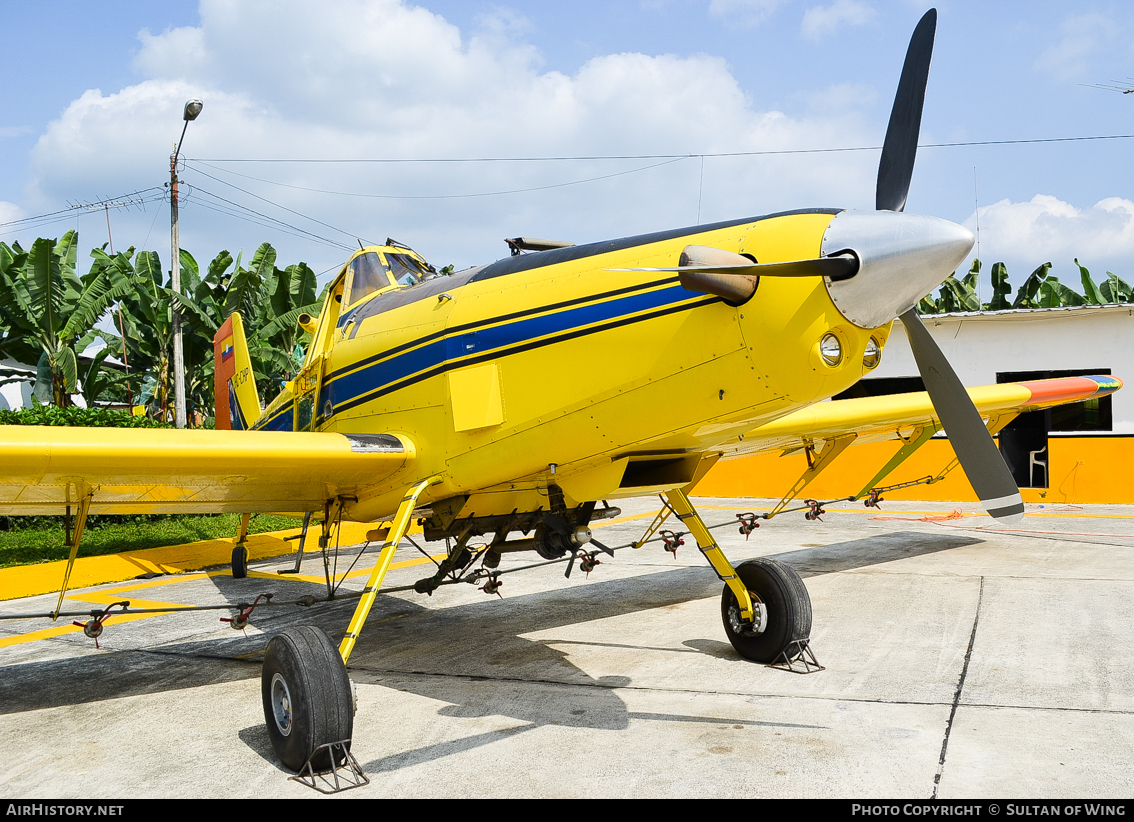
{"x":237,"y":401}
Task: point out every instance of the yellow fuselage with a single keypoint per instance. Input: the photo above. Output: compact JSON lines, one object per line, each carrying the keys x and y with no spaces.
{"x":553,"y":368}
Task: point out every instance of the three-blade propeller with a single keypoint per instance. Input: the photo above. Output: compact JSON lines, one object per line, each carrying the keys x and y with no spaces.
{"x":974,"y":446}
{"x":895,"y":260}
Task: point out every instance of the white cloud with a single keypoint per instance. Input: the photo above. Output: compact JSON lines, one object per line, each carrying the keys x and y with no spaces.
{"x":1048,"y":229}
{"x":842,"y":97}
{"x":382,"y":79}
{"x":821,"y":21}
{"x":9,"y":212}
{"x":746,"y":12}
{"x":1084,"y":38}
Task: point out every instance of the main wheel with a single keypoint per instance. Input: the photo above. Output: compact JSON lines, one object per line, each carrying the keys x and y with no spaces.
{"x":239,"y":562}
{"x":307,"y":697}
{"x":786,"y":613}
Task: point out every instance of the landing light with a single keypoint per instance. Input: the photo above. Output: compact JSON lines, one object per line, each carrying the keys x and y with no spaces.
{"x":873,"y":354}
{"x":831,"y":349}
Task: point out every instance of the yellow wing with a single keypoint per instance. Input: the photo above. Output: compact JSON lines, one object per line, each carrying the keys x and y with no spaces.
{"x":175,"y":471}
{"x":873,"y":419}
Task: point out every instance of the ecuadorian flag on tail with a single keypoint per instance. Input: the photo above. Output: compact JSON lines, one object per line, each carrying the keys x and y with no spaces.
{"x":238,"y":402}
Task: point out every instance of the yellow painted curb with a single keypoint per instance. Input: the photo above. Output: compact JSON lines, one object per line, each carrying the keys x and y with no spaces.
{"x":47,"y":577}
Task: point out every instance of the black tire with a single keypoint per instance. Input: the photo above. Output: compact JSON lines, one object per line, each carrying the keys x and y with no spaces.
{"x":307,"y":697}
{"x":239,"y":562}
{"x":784,"y":595}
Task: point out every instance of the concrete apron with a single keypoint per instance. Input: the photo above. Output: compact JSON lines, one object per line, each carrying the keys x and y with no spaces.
{"x":960,"y":661}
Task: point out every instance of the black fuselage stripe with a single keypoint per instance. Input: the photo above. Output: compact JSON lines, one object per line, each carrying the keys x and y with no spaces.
{"x":517,"y":349}
{"x":477,"y":324}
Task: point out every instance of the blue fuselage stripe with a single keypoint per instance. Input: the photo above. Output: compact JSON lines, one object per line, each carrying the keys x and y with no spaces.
{"x":354,"y":388}
{"x":283,"y":421}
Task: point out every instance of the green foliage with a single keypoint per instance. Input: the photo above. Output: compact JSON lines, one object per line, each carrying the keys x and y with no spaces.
{"x":75,"y":416}
{"x":1091,"y":293}
{"x":48,"y":309}
{"x":1116,"y":290}
{"x":1028,"y":295}
{"x":48,"y":315}
{"x":1039,"y":290}
{"x":1000,"y":288}
{"x":1053,"y":294}
{"x":40,"y":539}
{"x":269,"y":299}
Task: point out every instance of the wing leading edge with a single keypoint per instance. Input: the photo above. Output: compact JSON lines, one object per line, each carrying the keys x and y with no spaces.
{"x":47,"y":468}
{"x":874,"y":419}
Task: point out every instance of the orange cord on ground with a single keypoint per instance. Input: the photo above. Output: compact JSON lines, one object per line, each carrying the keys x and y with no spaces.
{"x":957,"y":514}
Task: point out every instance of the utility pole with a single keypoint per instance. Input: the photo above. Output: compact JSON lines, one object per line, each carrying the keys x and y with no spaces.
{"x":192,"y":109}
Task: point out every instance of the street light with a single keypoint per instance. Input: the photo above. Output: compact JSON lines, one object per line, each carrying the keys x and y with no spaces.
{"x":192,"y":109}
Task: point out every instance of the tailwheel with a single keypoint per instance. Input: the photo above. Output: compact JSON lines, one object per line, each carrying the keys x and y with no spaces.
{"x":239,"y":562}
{"x":782,"y":611}
{"x":307,"y":698}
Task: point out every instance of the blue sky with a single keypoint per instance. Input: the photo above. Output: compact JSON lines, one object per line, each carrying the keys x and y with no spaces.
{"x":94,"y":96}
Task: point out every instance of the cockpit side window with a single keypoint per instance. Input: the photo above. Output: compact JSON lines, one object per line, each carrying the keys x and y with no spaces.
{"x":367,"y":275}
{"x":408,"y":270}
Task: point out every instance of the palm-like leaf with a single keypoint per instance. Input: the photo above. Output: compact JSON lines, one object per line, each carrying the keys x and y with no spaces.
{"x":1000,"y":288}
{"x":1091,"y":292}
{"x":1115,"y":289}
{"x":1028,"y":294}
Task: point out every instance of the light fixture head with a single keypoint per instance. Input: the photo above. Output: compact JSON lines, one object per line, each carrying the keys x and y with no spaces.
{"x":873,"y":353}
{"x":193,"y":108}
{"x":831,"y":350}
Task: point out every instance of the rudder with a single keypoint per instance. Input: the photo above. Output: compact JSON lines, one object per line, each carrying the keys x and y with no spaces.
{"x":237,"y":401}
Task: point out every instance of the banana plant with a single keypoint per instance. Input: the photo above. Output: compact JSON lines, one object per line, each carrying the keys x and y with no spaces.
{"x":54,"y":310}
{"x":270,"y":300}
{"x":1116,"y":290}
{"x":1000,"y":288}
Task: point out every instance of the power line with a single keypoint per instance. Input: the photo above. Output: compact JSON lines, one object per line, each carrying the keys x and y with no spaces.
{"x":237,"y":214}
{"x":689,"y":155}
{"x":272,"y":221}
{"x":233,"y":209}
{"x":1122,"y":87}
{"x":123,"y":201}
{"x":277,"y":205}
{"x":436,"y":196}
{"x":139,"y":198}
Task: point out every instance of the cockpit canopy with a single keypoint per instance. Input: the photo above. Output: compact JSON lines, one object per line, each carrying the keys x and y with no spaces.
{"x":379,"y":268}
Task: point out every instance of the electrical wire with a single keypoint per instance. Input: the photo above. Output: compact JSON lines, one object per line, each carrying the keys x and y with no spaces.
{"x":296,"y":230}
{"x":64,"y":215}
{"x":688,"y":155}
{"x":439,"y":196}
{"x":350,"y":234}
{"x":140,"y":197}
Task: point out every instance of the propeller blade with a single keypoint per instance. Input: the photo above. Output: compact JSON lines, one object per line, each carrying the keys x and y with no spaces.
{"x":982,"y":461}
{"x":557,"y":523}
{"x":571,"y":564}
{"x":601,"y":547}
{"x":734,"y":278}
{"x":704,"y":259}
{"x":900,"y":148}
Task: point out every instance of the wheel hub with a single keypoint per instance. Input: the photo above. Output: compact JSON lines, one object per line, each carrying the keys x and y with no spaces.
{"x":281,"y":704}
{"x":759,"y":621}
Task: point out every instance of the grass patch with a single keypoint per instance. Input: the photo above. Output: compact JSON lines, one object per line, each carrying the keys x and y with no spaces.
{"x":45,"y":543}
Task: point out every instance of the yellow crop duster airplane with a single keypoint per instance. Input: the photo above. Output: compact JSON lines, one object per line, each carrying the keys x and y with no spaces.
{"x":513,"y":398}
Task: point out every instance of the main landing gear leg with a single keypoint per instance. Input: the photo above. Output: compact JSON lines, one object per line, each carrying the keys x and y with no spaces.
{"x":308,"y":699}
{"x":240,"y":549}
{"x":74,"y":537}
{"x":764,"y":606}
